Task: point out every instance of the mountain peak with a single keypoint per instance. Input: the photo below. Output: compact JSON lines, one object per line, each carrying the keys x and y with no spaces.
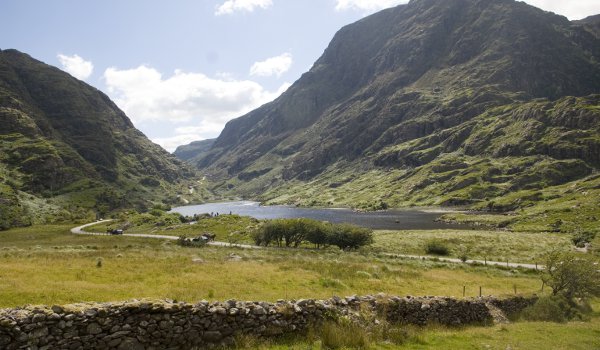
{"x":405,"y":86}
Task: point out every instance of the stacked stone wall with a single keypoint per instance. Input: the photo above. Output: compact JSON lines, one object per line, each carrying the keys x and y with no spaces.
{"x":176,"y":325}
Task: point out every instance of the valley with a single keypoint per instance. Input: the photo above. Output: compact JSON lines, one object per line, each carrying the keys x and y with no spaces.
{"x":437,"y":153}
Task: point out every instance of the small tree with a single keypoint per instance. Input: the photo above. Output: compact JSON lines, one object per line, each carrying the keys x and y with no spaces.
{"x":572,"y":275}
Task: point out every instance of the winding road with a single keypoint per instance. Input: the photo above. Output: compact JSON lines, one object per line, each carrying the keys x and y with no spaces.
{"x":79,"y":231}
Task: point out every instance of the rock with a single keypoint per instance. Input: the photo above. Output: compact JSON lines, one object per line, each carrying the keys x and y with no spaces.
{"x":198,"y":261}
{"x":113,"y":343}
{"x":130,"y":344}
{"x":91,"y":313}
{"x":38,"y":318}
{"x":40,"y":332}
{"x":212,"y":336}
{"x":234,"y":257}
{"x":5,"y":339}
{"x":93,"y":328}
{"x":58,"y":309}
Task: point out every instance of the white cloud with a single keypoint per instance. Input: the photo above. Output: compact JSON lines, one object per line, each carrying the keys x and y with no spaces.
{"x":231,"y":6}
{"x":76,"y":66}
{"x":576,"y":9}
{"x":200,"y":103}
{"x":272,"y":66}
{"x":366,"y":5}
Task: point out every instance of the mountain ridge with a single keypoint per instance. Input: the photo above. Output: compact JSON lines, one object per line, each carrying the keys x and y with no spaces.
{"x":67,"y":144}
{"x":416,"y":86}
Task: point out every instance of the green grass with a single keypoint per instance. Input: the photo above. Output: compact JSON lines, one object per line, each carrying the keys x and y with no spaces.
{"x":493,"y":245}
{"x":47,"y":265}
{"x":227,"y":228}
{"x":516,"y":336}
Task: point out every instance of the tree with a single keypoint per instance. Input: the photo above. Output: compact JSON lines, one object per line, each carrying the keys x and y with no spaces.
{"x":572,"y":275}
{"x":346,"y":236}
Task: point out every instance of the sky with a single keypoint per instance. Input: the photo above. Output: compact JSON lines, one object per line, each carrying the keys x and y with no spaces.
{"x":181,"y":69}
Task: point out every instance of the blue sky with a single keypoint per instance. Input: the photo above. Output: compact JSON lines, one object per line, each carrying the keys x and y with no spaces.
{"x":181,"y":69}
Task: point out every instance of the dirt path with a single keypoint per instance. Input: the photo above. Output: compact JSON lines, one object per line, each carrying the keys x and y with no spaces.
{"x":79,"y":231}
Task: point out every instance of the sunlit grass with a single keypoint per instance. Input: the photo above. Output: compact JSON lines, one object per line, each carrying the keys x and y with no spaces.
{"x":493,"y":245}
{"x":47,"y":265}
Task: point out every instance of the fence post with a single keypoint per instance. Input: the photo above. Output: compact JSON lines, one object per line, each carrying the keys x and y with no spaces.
{"x":515,"y":288}
{"x":464,"y":290}
{"x":480,"y":291}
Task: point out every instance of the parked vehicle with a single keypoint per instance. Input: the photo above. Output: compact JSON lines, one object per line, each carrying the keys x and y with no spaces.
{"x":114,"y":231}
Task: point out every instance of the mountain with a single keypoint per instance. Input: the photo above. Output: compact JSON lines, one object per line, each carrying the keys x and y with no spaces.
{"x":67,"y":151}
{"x":454,"y":102}
{"x":194,"y":150}
{"x":592,"y":24}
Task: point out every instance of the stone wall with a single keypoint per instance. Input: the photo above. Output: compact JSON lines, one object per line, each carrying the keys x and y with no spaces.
{"x":175,"y":325}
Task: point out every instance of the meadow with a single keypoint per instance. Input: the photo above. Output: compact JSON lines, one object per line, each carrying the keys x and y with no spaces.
{"x":49,"y":265}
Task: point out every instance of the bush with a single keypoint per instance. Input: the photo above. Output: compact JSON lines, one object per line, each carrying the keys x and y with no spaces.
{"x":346,"y":236}
{"x":293,"y":232}
{"x":436,"y":247}
{"x":555,"y":308}
{"x":580,"y":239}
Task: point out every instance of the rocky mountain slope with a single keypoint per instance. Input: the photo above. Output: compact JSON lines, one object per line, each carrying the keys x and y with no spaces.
{"x":67,"y":151}
{"x":455,"y":102}
{"x":194,"y":151}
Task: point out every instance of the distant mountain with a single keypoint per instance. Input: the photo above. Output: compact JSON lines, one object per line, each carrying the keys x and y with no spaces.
{"x":66,"y":145}
{"x":430,"y":103}
{"x":193,"y":150}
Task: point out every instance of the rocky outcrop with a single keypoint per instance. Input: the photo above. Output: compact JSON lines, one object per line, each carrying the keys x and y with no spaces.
{"x":177,"y":325}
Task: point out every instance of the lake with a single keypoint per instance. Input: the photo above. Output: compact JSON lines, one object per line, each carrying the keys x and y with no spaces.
{"x":408,"y":219}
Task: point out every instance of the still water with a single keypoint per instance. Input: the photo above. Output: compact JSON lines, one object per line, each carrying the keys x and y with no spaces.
{"x":383,"y":220}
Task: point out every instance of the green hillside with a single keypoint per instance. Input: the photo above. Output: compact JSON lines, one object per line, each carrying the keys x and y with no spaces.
{"x":67,"y":151}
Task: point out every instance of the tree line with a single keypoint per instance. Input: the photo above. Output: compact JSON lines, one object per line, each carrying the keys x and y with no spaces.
{"x":293,"y":232}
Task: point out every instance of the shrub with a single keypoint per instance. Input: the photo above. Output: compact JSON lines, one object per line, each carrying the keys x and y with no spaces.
{"x":436,"y":247}
{"x":292,"y":232}
{"x":580,"y":239}
{"x":554,"y":308}
{"x":346,"y":236}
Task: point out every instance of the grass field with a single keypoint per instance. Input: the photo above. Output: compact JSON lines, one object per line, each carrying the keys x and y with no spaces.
{"x":49,"y":265}
{"x":515,"y":336}
{"x":493,"y":245}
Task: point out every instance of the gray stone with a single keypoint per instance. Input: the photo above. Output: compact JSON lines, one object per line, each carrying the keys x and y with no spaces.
{"x":58,"y":309}
{"x":114,"y":342}
{"x":38,"y":318}
{"x":212,"y":336}
{"x":40,"y":332}
{"x":131,"y":344}
{"x":93,"y":328}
